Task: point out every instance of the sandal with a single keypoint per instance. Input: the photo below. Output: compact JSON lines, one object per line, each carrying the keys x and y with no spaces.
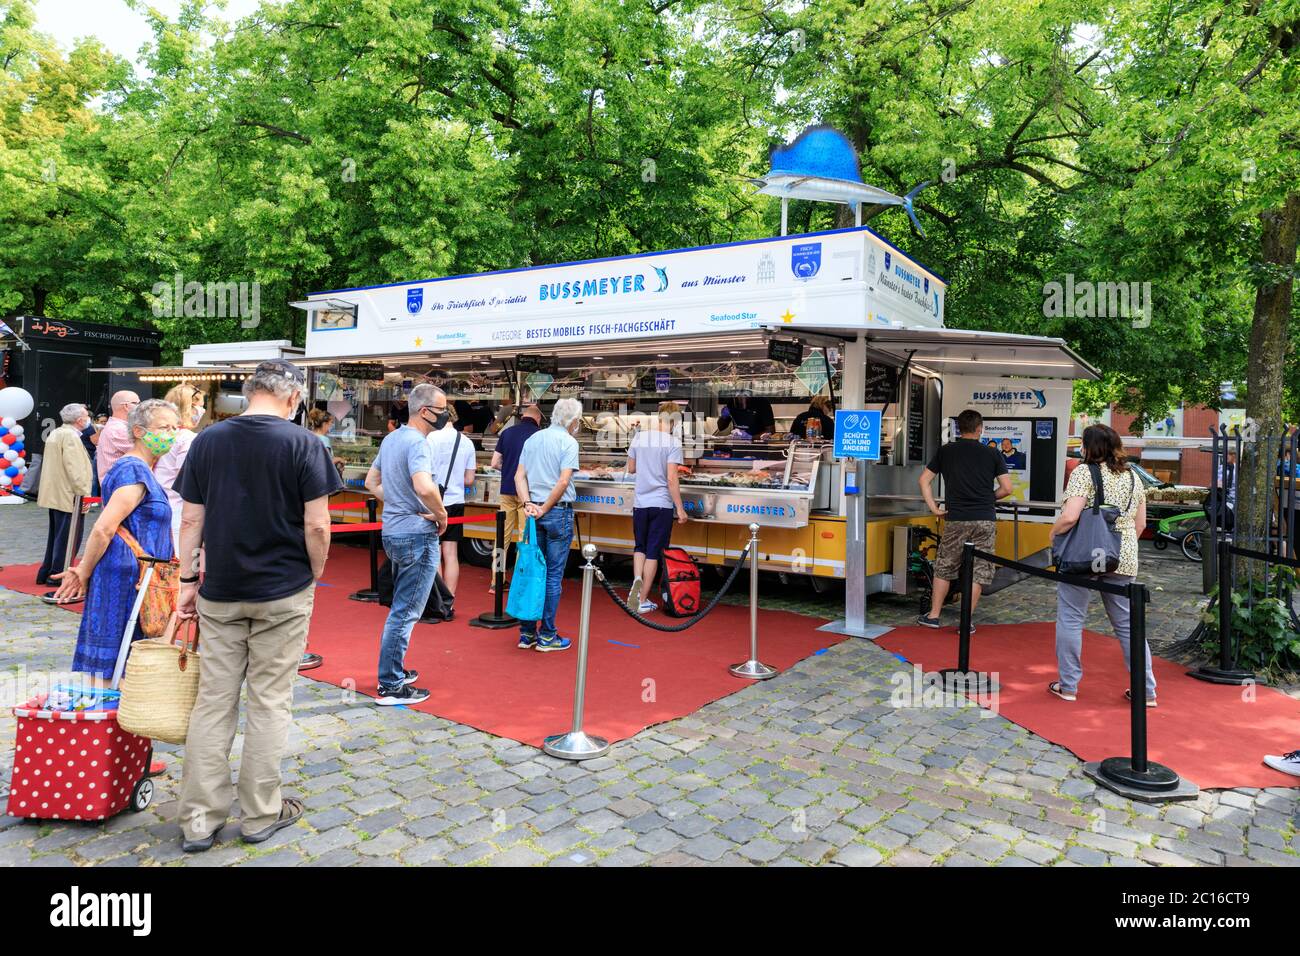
{"x":290,"y":811}
{"x":1151,"y":701}
{"x":1055,"y":688}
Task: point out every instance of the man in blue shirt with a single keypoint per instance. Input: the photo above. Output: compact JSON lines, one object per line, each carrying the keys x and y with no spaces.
{"x":506,"y":460}
{"x":414,"y":516}
{"x":544,"y":480}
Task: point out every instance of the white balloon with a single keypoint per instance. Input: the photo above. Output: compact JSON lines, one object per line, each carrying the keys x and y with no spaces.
{"x":15,"y":403}
{"x":10,"y":455}
{"x":7,"y":422}
{"x":5,"y":481}
{"x":17,"y":429}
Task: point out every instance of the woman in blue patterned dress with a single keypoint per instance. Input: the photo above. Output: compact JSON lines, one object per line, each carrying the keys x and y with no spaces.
{"x":106,"y":576}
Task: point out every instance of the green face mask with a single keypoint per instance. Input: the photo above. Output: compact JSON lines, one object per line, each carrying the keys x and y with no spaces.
{"x":159,"y":442}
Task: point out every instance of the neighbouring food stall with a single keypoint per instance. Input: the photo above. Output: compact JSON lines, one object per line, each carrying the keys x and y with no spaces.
{"x":740,"y":336}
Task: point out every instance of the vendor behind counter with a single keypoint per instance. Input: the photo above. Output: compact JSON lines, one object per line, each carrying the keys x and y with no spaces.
{"x":746,"y":413}
{"x":820,"y":411}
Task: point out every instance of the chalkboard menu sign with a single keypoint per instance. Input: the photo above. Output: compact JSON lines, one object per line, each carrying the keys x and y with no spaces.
{"x":789,"y":353}
{"x":916,"y":419}
{"x":881,"y":385}
{"x":539,"y":363}
{"x":362,"y":371}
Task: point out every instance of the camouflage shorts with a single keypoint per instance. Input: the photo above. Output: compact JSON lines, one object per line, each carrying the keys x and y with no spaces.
{"x":984,"y":535}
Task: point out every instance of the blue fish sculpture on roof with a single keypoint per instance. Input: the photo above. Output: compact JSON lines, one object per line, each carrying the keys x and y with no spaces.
{"x":821,"y":164}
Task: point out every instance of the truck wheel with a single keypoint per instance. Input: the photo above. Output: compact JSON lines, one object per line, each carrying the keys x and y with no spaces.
{"x":142,"y":794}
{"x":477,"y":551}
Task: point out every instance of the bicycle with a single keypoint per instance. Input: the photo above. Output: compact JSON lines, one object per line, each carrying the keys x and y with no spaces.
{"x":1190,"y":539}
{"x":923,"y":548}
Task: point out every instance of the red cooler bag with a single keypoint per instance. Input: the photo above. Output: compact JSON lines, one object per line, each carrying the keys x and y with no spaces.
{"x":681,"y":583}
{"x":73,"y":765}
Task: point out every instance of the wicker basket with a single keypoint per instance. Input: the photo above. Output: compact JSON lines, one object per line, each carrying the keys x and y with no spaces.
{"x":161,"y":684}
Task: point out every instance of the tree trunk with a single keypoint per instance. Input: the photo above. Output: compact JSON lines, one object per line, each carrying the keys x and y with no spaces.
{"x":38,"y":301}
{"x":1266,"y":370}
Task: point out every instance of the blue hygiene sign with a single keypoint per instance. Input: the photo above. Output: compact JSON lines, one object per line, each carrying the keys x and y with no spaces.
{"x":857,"y":435}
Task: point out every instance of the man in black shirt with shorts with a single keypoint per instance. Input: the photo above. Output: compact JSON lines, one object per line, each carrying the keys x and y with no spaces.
{"x":969,"y":469}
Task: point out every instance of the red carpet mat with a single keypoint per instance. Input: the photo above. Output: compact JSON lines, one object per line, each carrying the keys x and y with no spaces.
{"x":1213,"y":735}
{"x":636,"y":676}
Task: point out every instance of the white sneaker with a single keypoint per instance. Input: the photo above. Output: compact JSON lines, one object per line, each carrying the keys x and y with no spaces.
{"x":634,"y":593}
{"x":648,"y":606}
{"x":1287,"y":763}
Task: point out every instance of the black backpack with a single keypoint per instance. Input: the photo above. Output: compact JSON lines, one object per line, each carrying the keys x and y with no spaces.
{"x":439,"y":606}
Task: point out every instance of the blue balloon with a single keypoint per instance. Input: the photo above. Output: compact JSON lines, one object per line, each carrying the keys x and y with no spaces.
{"x":3,"y":431}
{"x":17,"y":446}
{"x":11,"y":471}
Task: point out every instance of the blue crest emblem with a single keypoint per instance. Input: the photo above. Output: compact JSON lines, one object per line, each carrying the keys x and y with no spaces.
{"x":927,"y":284}
{"x":414,"y":300}
{"x":887,"y":258}
{"x":806,"y":259}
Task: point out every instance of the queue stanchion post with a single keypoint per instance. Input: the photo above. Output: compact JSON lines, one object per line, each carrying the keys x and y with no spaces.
{"x":961,"y":676}
{"x":577,"y":744}
{"x":370,"y":595}
{"x":1227,"y":672}
{"x":74,"y":531}
{"x":74,"y":536}
{"x":1135,"y":776}
{"x":753,"y":669}
{"x":497,"y":619}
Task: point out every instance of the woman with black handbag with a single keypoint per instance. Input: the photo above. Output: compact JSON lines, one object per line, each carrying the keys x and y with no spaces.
{"x":1115,"y":500}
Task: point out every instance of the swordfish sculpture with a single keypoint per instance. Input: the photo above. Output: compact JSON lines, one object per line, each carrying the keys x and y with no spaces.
{"x":821,"y":164}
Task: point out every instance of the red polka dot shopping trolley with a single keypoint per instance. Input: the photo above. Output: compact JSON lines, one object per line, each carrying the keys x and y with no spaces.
{"x":71,"y":759}
{"x":77,"y":765}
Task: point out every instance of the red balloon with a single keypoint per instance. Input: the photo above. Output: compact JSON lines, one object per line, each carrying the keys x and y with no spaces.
{"x":23,"y":453}
{"x":9,"y":439}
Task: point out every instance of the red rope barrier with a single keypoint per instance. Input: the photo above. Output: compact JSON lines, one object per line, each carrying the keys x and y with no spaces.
{"x":378,"y":525}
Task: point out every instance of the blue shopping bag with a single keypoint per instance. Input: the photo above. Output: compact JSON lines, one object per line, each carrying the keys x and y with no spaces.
{"x":528,"y":587}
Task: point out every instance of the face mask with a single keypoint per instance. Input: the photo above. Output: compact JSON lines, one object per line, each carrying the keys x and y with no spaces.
{"x":196,"y":415}
{"x":440,"y":419}
{"x":159,"y":442}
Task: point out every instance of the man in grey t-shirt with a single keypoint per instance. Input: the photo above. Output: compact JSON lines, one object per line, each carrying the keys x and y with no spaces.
{"x":653,"y":457}
{"x":414,"y":516}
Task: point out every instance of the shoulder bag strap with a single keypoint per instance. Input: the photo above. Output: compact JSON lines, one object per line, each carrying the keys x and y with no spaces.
{"x":1132,"y":488}
{"x":1098,"y":492}
{"x":129,"y":540}
{"x":446,"y":479}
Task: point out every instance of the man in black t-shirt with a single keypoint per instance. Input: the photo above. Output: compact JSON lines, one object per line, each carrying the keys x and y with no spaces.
{"x":969,"y":470}
{"x":256,"y":490}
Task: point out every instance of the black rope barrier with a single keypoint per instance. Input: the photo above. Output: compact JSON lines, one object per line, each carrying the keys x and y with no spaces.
{"x":1229,"y":669}
{"x":690,"y":621}
{"x":1133,"y":776}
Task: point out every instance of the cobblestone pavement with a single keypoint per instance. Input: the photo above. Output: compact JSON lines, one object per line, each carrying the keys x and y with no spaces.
{"x":814,"y":766}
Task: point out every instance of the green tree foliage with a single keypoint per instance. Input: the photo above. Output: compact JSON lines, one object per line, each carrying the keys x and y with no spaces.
{"x":327,"y":143}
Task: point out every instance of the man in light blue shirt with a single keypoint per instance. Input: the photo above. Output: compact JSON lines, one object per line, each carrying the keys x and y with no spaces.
{"x":544,"y":480}
{"x":414,"y":516}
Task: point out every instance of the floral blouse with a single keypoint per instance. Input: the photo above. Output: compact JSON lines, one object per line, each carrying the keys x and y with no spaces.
{"x":1118,"y":490}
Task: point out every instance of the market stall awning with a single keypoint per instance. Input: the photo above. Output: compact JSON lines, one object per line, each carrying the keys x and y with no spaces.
{"x":965,"y":352}
{"x":182,"y":373}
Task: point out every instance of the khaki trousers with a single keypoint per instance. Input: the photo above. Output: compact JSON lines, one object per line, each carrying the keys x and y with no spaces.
{"x":516,"y":521}
{"x":261,"y":643}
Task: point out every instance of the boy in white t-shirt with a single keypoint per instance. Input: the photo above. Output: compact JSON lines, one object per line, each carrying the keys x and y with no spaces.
{"x":457,"y":475}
